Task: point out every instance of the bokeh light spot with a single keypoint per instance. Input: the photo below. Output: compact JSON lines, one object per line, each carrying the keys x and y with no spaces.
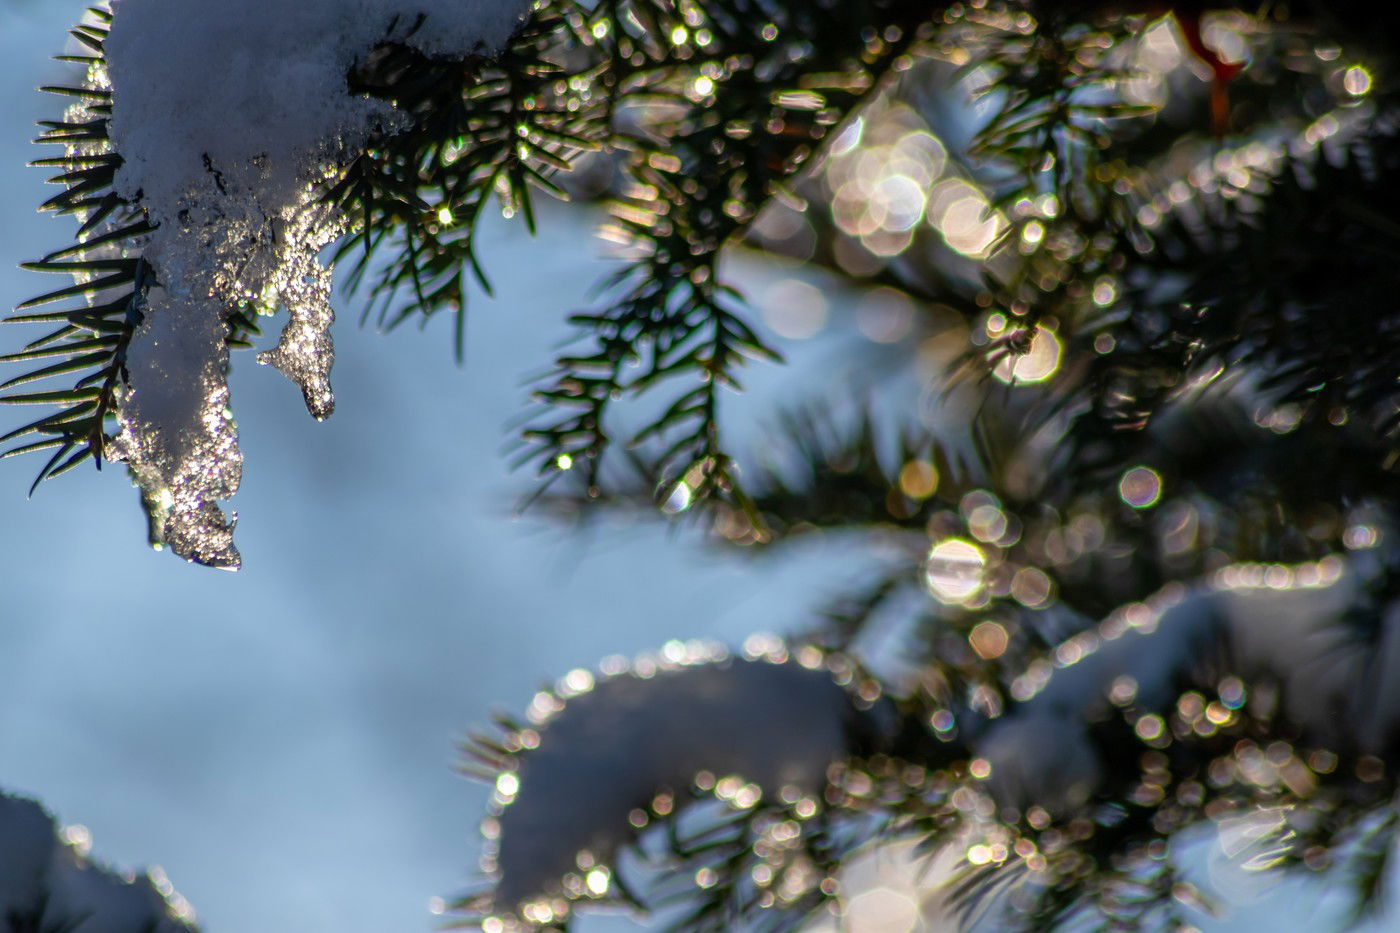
{"x":1037,"y":364}
{"x":795,"y":309}
{"x":979,"y":854}
{"x":1032,"y":588}
{"x":989,"y":640}
{"x":885,"y":315}
{"x":1141,"y":487}
{"x":599,"y":880}
{"x":918,"y":479}
{"x":987,"y":522}
{"x":955,"y":569}
{"x":883,"y":910}
{"x":1357,"y":81}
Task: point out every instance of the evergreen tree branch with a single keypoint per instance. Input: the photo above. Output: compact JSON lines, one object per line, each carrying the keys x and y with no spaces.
{"x":739,"y":114}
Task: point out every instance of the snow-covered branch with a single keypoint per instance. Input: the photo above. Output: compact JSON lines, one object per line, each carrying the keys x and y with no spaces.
{"x":1260,"y":652}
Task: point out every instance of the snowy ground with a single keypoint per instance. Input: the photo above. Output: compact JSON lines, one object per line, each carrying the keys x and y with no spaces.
{"x":280,"y":740}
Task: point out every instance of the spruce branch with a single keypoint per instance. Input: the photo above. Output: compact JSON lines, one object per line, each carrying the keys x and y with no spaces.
{"x":726,"y":125}
{"x":1252,"y":299}
{"x":110,"y":281}
{"x":480,"y":131}
{"x":723,"y":824}
{"x":92,"y":337}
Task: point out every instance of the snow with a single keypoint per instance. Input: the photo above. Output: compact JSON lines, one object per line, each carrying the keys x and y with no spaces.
{"x":1334,"y":679}
{"x":1243,"y":623}
{"x":1041,"y":758}
{"x":605,"y":751}
{"x":612,"y":748}
{"x":259,"y":87}
{"x":27,"y":842}
{"x":50,"y":879}
{"x":229,"y":118}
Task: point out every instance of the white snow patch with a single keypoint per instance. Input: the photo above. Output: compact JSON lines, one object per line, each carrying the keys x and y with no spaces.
{"x":609,"y":751}
{"x":1041,"y":758}
{"x":258,"y":87}
{"x":1340,"y":689}
{"x":229,"y":117}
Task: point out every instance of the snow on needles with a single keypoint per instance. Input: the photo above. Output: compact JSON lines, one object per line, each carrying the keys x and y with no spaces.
{"x":229,"y":117}
{"x":618,"y":741}
{"x":258,"y":87}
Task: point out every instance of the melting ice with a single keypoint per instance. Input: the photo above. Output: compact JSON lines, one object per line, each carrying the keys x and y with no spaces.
{"x":226,"y":116}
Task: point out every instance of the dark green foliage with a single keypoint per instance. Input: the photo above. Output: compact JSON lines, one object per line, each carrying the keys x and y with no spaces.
{"x":1315,"y":322}
{"x":578,"y":80}
{"x":480,"y":128}
{"x":573,"y":81}
{"x":92,"y":334}
{"x":740,"y":115}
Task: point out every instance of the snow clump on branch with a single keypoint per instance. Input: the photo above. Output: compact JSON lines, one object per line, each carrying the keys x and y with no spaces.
{"x":48,"y":881}
{"x":229,"y":118}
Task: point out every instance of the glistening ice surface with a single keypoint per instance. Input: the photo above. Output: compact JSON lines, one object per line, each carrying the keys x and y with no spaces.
{"x":226,"y":161}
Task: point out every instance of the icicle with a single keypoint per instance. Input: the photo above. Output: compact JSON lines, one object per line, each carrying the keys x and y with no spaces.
{"x":177,"y":434}
{"x":305,"y":352}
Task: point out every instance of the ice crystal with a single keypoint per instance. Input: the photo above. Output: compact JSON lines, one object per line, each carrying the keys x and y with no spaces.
{"x":177,"y":432}
{"x":230,"y":119}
